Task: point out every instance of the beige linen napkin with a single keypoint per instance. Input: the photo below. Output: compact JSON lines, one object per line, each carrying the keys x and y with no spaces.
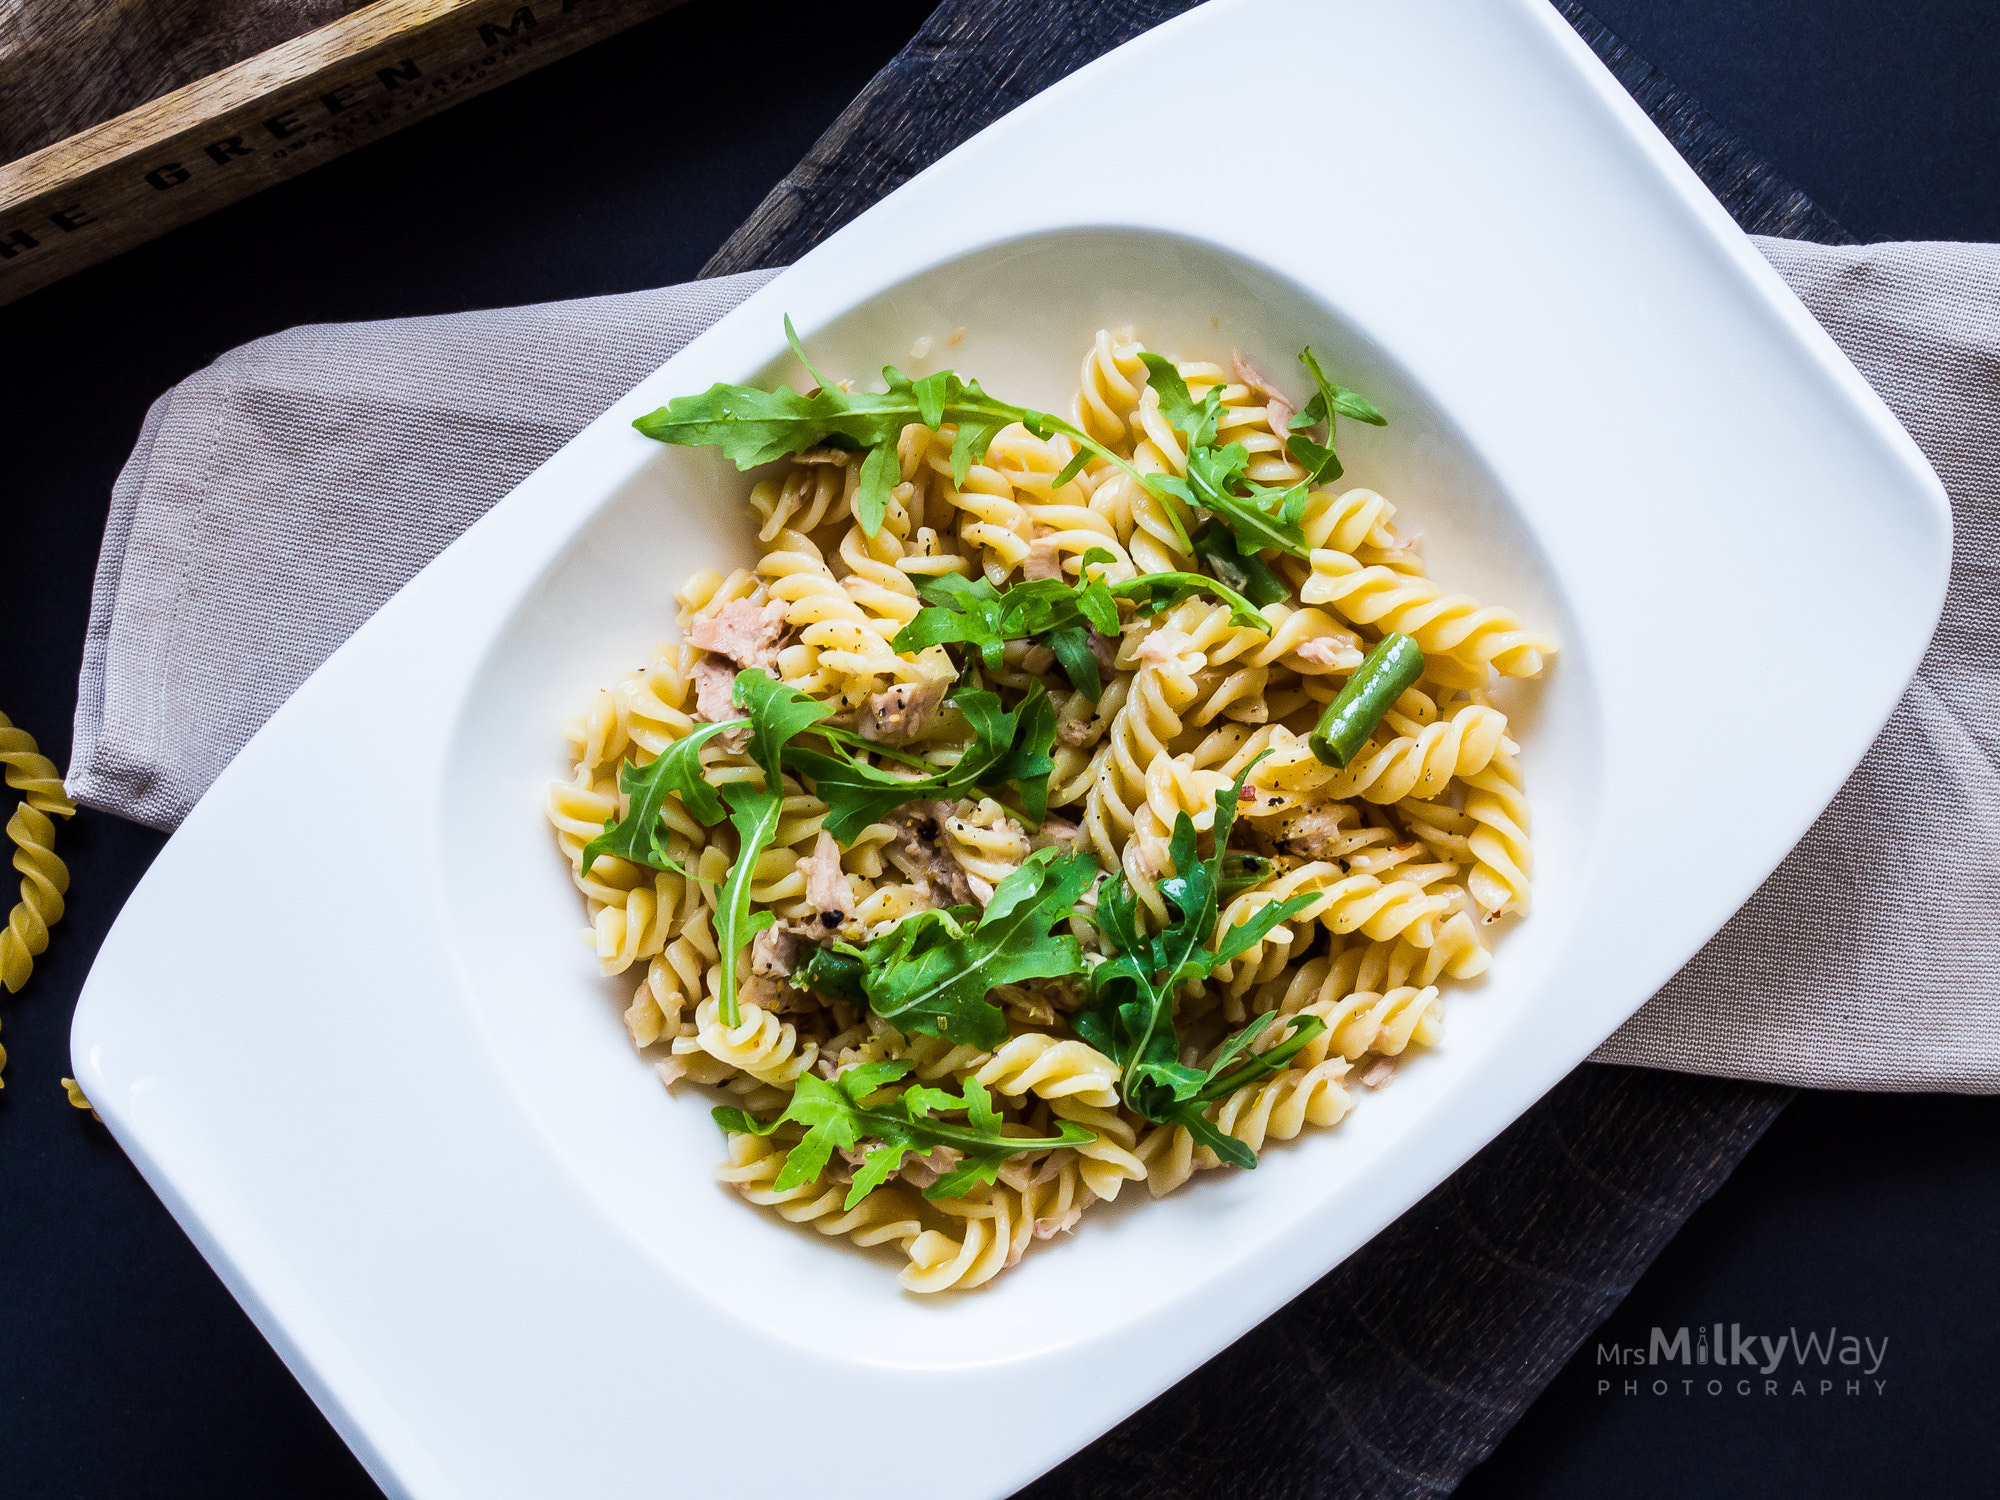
{"x":277,"y":498}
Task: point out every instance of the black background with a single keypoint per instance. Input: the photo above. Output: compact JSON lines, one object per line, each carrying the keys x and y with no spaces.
{"x":126,"y":1369}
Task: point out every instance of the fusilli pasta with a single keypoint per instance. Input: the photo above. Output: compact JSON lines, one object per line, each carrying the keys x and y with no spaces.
{"x":1354,"y":891}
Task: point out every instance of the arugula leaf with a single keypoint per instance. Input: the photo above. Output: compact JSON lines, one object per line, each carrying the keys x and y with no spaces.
{"x":1246,"y":572}
{"x":1027,"y":761}
{"x":777,"y":713}
{"x":753,"y":426}
{"x":1155,"y":592}
{"x":933,"y":971}
{"x":833,"y":972}
{"x":1217,"y":478}
{"x":677,"y":772}
{"x":1071,"y":645}
{"x":1131,"y":1015}
{"x":972,"y":612}
{"x":1322,"y":465}
{"x":837,"y":1116}
{"x":1008,"y":745}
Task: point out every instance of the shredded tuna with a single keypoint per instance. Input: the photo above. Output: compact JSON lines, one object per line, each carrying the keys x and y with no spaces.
{"x":1062,"y":1223}
{"x":1327,"y":651}
{"x":1165,"y":645}
{"x":1149,"y":856}
{"x":775,"y":952}
{"x":828,"y":890}
{"x":1105,"y":650}
{"x":824,"y":455}
{"x":1056,"y":832}
{"x":1049,"y":1168}
{"x":919,"y":827}
{"x":744,"y":632}
{"x":1383,"y":1070}
{"x":1077,"y":733}
{"x":670,"y":1070}
{"x":1030,"y":1008}
{"x":1044,"y":559}
{"x":903,"y":712}
{"x":774,"y":995}
{"x":1318,"y":832}
{"x":924,"y":1171}
{"x":714,"y":691}
{"x":1277,"y":405}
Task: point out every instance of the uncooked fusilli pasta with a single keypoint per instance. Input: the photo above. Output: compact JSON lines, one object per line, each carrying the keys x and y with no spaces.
{"x":44,"y":877}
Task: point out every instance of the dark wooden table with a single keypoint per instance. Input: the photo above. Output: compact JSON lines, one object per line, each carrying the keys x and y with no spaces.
{"x":125,"y":1369}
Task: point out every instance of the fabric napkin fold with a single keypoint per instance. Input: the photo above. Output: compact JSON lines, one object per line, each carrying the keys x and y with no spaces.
{"x":278,"y":497}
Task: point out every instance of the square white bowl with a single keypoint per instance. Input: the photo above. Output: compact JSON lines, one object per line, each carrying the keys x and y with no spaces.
{"x":381,"y":1085}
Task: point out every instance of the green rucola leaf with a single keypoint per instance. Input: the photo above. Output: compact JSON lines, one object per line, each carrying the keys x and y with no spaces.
{"x":1206,"y":1133}
{"x":1071,"y":469}
{"x":1071,"y":645}
{"x":799,"y":352}
{"x":836,"y":1117}
{"x":831,"y":1120}
{"x":1338,"y":400}
{"x":1028,"y":760}
{"x":932,"y":975}
{"x":1215,"y":481}
{"x":1194,"y":419}
{"x":1225,"y":1077}
{"x":1215,"y":544}
{"x":677,"y":772}
{"x":969,"y":445}
{"x":876,"y":1168}
{"x":777,"y":713}
{"x":737,"y":1122}
{"x":879,"y":475}
{"x":1154,"y":592}
{"x":1329,"y":401}
{"x":753,"y":813}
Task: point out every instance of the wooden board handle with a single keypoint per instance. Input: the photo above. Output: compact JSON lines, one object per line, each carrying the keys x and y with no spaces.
{"x":273,"y":116}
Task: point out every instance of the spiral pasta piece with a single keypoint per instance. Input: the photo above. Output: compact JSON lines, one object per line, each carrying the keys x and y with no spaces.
{"x":1453,"y":625}
{"x":1502,"y":855}
{"x":760,"y":1044}
{"x":1113,"y":376}
{"x":991,"y":521}
{"x":987,"y":843}
{"x":1051,"y":1068}
{"x":1281,"y":1106}
{"x":1421,"y":766}
{"x":1349,"y":521}
{"x":886,"y":1215}
{"x":938,"y":1262}
{"x":1142,"y":732}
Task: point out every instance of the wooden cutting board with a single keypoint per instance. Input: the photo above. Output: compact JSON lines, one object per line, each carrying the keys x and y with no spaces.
{"x":101,"y":185}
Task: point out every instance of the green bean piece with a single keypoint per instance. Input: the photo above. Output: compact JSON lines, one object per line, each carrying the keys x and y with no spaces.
{"x":1394,"y":664}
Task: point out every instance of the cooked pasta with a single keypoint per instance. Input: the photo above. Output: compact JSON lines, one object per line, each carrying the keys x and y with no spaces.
{"x":894,"y":838}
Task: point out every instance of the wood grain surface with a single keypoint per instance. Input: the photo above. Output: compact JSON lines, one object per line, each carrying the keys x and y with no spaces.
{"x":269,"y":117}
{"x":68,"y":66}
